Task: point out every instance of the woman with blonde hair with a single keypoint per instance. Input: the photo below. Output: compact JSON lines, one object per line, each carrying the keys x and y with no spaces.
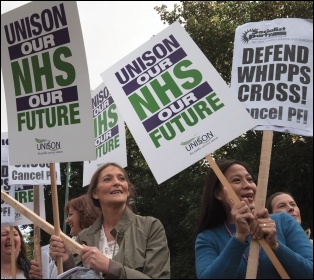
{"x":119,"y":244}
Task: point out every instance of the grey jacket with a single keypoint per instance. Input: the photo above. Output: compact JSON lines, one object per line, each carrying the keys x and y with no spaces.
{"x":143,"y":248}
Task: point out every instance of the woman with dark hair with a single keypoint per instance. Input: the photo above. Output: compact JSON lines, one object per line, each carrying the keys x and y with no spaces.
{"x":226,"y":228}
{"x":119,"y":244}
{"x":22,"y":262}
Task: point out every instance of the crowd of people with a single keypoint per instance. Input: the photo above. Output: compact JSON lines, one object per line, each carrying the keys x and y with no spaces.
{"x":119,"y":243}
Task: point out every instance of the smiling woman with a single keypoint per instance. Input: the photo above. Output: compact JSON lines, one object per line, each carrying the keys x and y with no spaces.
{"x":119,"y":244}
{"x":81,"y":214}
{"x":22,"y":262}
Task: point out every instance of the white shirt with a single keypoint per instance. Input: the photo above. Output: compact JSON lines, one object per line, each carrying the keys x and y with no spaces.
{"x":107,"y":247}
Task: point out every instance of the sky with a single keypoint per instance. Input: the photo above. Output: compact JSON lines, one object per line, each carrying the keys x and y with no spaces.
{"x":111,"y":30}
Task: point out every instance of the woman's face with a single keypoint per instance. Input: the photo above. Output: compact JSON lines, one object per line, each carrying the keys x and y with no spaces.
{"x":6,"y":246}
{"x":73,"y":222}
{"x":285,"y":203}
{"x":242,"y":183}
{"x":112,"y":188}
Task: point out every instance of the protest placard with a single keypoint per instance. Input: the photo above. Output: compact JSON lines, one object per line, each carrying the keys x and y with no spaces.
{"x":175,"y":103}
{"x":109,"y":130}
{"x":46,"y":84}
{"x":272,"y":73}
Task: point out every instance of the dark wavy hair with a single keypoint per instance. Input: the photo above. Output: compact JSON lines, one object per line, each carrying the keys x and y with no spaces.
{"x":212,"y":212}
{"x":22,"y":259}
{"x":94,"y":182}
{"x":87,"y":211}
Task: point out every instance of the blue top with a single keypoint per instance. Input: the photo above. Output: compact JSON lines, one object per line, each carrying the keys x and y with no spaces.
{"x":219,"y":255}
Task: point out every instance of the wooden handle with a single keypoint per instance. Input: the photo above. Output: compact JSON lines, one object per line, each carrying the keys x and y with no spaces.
{"x":38,"y":221}
{"x":37,"y":249}
{"x":55,"y":207}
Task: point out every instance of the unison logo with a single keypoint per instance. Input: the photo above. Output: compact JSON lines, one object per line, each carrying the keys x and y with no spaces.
{"x":45,"y":144}
{"x":197,"y":141}
{"x":255,"y":33}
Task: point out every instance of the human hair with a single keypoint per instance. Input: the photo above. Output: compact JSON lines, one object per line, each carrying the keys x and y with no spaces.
{"x":94,"y":182}
{"x":270,"y":199}
{"x":86,"y":210}
{"x":22,"y":259}
{"x":212,"y":211}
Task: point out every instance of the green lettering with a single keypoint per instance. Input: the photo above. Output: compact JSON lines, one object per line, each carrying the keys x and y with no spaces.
{"x":202,"y":110}
{"x":112,"y":114}
{"x":147,"y":101}
{"x":30,"y":196}
{"x":22,"y":197}
{"x":45,"y":71}
{"x":41,"y":114}
{"x":64,"y":66}
{"x":183,"y":74}
{"x":101,"y":123}
{"x":111,"y":145}
{"x":213,"y":102}
{"x":62,"y":115}
{"x":116,"y":141}
{"x":51,"y":118}
{"x":161,"y":91}
{"x":108,"y":146}
{"x":20,"y":120}
{"x":74,"y":112}
{"x":21,"y":76}
{"x":176,"y":120}
{"x":155,"y":136}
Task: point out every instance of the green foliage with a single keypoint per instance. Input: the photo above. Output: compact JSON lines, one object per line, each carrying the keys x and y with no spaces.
{"x":29,"y":240}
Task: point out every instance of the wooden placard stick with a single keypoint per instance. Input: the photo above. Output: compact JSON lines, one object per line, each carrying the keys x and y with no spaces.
{"x":37,"y":248}
{"x":55,"y":207}
{"x":260,"y":198}
{"x":13,"y":253}
{"x":235,"y":199}
{"x":38,"y":221}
